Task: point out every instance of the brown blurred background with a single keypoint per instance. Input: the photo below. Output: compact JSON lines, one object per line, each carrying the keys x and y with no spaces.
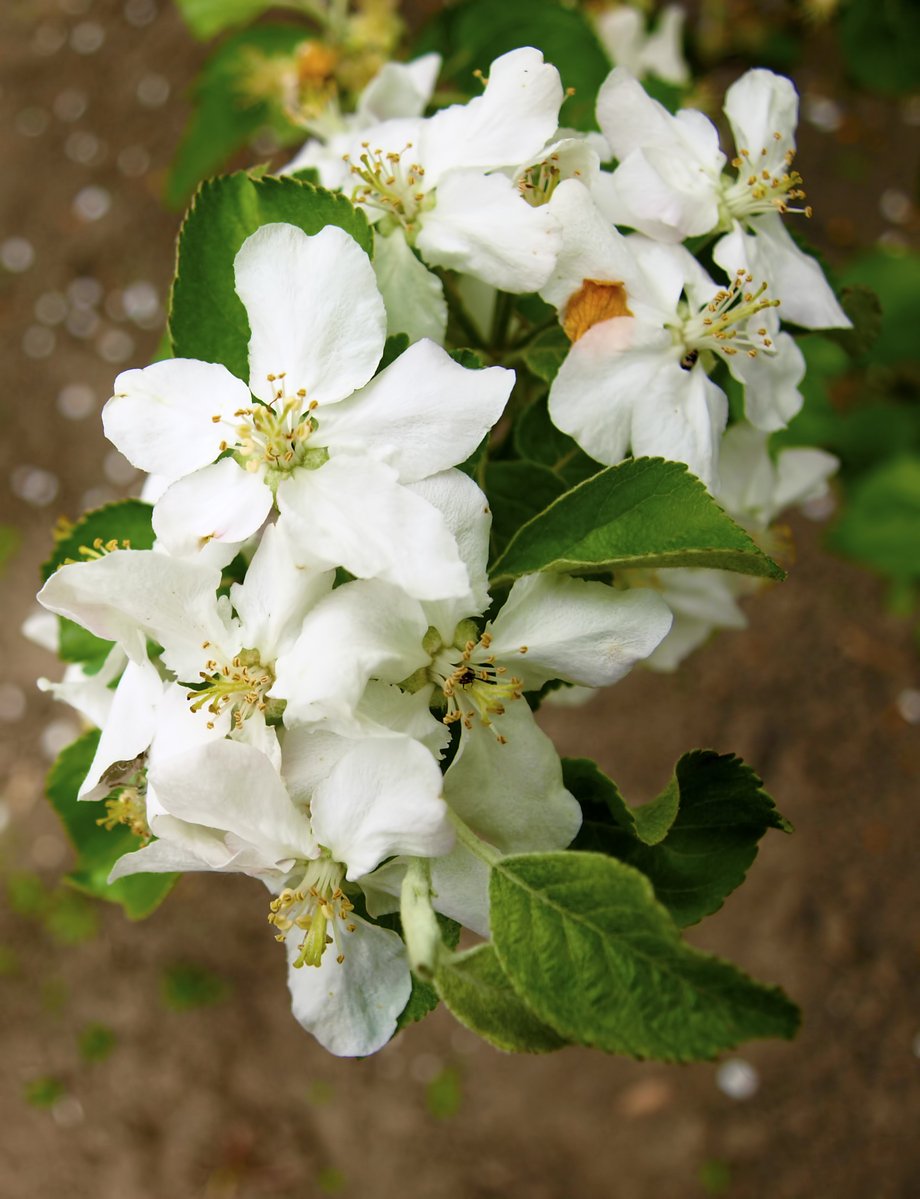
{"x":161,"y":1061}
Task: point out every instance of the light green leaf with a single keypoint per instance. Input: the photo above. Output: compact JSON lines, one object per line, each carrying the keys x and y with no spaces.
{"x":124,"y":521}
{"x":582,"y":937}
{"x":76,"y":644}
{"x":206,"y":18}
{"x":880,"y":525}
{"x":226,"y":114}
{"x":470,"y":35}
{"x":479,"y":995}
{"x":98,"y":848}
{"x":695,"y":842}
{"x":207,"y":319}
{"x":644,"y":512}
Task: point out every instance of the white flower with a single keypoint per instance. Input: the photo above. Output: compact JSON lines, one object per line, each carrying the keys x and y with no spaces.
{"x":223,"y":806}
{"x":755,"y":487}
{"x":332,"y":446}
{"x":670,"y":184}
{"x":622,"y":33}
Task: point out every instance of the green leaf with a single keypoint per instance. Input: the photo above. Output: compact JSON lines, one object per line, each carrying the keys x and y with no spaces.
{"x":9,"y":544}
{"x":517,"y":491}
{"x":125,"y":520}
{"x":423,"y":998}
{"x":185,"y":986}
{"x":695,"y":842}
{"x":645,"y":512}
{"x":96,"y":1042}
{"x":470,"y":35}
{"x":225,"y":114}
{"x":205,"y":18}
{"x":881,"y":44}
{"x":393,"y":347}
{"x":864,"y":308}
{"x":207,"y":319}
{"x":880,"y":525}
{"x":545,"y":354}
{"x":76,"y":644}
{"x":444,"y":1094}
{"x":99,"y":848}
{"x":601,"y":962}
{"x":478,"y":993}
{"x":537,"y":439}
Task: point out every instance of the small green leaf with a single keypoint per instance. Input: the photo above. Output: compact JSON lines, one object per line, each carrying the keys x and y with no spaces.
{"x":393,"y":347}
{"x":600,"y":961}
{"x":98,"y":848}
{"x":226,"y":114}
{"x":124,"y":521}
{"x":43,"y":1092}
{"x":478,"y":993}
{"x":545,"y":354}
{"x":517,"y":491}
{"x":444,"y":1094}
{"x":695,"y":842}
{"x":645,"y":512}
{"x":96,"y":1042}
{"x":205,"y":18}
{"x":186,"y":986}
{"x":207,"y":319}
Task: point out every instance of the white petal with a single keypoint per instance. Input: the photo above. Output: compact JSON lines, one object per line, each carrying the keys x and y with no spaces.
{"x":160,"y":417}
{"x":353,"y":512}
{"x":161,"y":857}
{"x":314,"y":311}
{"x":460,"y":889}
{"x":399,"y":89}
{"x":363,"y":629}
{"x":276,"y":594}
{"x":216,"y":785}
{"x":351,"y":1007}
{"x":682,"y":420}
{"x":760,"y":105}
{"x":89,"y":694}
{"x":575,"y":630}
{"x":512,"y":795}
{"x":422,"y":414}
{"x":483,"y":226}
{"x":771,"y":383}
{"x":381,"y":798}
{"x":515,"y":116}
{"x":215,"y":509}
{"x":129,"y":728}
{"x":414,"y":297}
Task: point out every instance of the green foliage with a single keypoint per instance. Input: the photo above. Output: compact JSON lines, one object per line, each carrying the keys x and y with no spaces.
{"x":63,"y":915}
{"x":9,"y":544}
{"x":444,"y":1094}
{"x":98,"y":848}
{"x":185,"y":986}
{"x":123,"y":521}
{"x":206,"y":18}
{"x":471,"y":34}
{"x":330,"y":1180}
{"x":478,"y":993}
{"x":601,"y":962}
{"x":546,"y":353}
{"x":644,"y":512}
{"x":207,"y":319}
{"x":423,"y":998}
{"x":880,"y":525}
{"x":96,"y":1042}
{"x":517,"y":492}
{"x":695,"y":842}
{"x":9,"y":962}
{"x":76,"y":644}
{"x":880,"y":44}
{"x":864,"y":309}
{"x":225,"y":115}
{"x":537,"y":439}
{"x":43,"y":1092}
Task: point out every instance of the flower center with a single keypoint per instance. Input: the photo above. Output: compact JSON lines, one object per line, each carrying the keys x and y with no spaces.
{"x":474,"y":686}
{"x":237,"y":686}
{"x":319,"y":908}
{"x":595,"y":301}
{"x":389,"y":185}
{"x":275,"y":437}
{"x":127,"y":806}
{"x":538,"y":182}
{"x":722,"y":326}
{"x":763,"y":184}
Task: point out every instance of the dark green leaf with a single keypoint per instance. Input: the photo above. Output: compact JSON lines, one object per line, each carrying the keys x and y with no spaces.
{"x":479,"y":995}
{"x":394,"y":346}
{"x":863,"y":307}
{"x":537,"y":439}
{"x":98,"y":848}
{"x":545,"y":354}
{"x":186,"y":986}
{"x":600,"y":961}
{"x":880,"y":525}
{"x":517,"y":491}
{"x":695,"y":842}
{"x":881,"y":44}
{"x":207,"y":319}
{"x":124,"y":521}
{"x":226,"y":114}
{"x":645,"y":512}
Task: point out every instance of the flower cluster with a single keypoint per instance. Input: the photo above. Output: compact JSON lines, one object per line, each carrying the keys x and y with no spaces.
{"x":311,"y":679}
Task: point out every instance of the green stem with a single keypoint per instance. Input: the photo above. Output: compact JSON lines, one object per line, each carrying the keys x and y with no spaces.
{"x":459,"y":313}
{"x":419,"y":923}
{"x":504,"y":306}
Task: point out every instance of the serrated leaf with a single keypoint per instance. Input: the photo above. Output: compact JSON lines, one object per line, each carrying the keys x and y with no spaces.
{"x":206,"y":18}
{"x":125,"y":520}
{"x":478,"y":993}
{"x":695,"y":842}
{"x":546,"y":353}
{"x":470,"y":35}
{"x":98,"y":848}
{"x":645,"y":512}
{"x":517,"y":491}
{"x":582,"y":937}
{"x":537,"y":439}
{"x":225,"y":113}
{"x":207,"y":319}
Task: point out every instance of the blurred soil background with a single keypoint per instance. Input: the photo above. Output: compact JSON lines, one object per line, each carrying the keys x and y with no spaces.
{"x":161,"y":1061}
